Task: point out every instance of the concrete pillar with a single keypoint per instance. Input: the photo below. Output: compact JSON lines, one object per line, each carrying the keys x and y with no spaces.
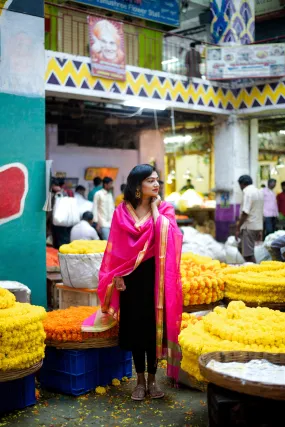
{"x":233,"y":21}
{"x":22,"y":146}
{"x":236,"y":154}
{"x":151,"y":149}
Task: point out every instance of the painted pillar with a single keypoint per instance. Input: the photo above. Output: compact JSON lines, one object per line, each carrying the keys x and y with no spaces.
{"x":233,"y":21}
{"x":22,"y":146}
{"x":235,"y":155}
{"x":151,"y":149}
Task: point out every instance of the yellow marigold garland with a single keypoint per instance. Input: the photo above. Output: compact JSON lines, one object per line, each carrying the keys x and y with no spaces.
{"x":237,"y":328}
{"x":7,"y":299}
{"x":264,"y":283}
{"x":22,"y":334}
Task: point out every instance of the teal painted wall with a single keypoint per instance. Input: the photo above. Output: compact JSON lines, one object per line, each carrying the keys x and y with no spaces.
{"x":22,"y":241}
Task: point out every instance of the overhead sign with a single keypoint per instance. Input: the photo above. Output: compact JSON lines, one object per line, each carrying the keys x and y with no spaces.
{"x":266,"y":6}
{"x":247,"y":61}
{"x":107,"y":48}
{"x":163,"y":11}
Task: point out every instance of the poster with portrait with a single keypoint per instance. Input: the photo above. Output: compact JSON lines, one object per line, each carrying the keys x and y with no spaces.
{"x":107,"y":48}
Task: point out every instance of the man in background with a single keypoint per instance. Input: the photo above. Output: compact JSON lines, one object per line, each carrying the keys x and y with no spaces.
{"x":97,"y":186}
{"x":103,"y":208}
{"x":84,"y":230}
{"x":193,"y":61}
{"x":120,"y":197}
{"x":270,"y":209}
{"x":250,"y":225}
{"x":281,"y":202}
{"x":82,"y":203}
{"x":188,"y":186}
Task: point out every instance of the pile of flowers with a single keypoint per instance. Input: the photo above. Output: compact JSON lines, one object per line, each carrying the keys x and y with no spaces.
{"x":202,"y":279}
{"x":236,"y":328}
{"x":65,"y":325}
{"x":264,"y":283}
{"x":188,"y":319}
{"x":84,"y":247}
{"x":22,"y":334}
{"x":52,"y":257}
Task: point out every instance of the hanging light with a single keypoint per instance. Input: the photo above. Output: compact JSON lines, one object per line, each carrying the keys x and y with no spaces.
{"x":187,"y":174}
{"x":178,"y":139}
{"x":169,"y":179}
{"x":273,"y":171}
{"x":280,"y":164}
{"x":199,"y":177}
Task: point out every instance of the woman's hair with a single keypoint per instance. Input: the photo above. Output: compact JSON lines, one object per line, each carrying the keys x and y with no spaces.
{"x":137,"y":175}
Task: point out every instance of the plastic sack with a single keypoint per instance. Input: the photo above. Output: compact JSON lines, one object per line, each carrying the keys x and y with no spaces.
{"x":261,"y":254}
{"x":21,"y":292}
{"x":80,"y":271}
{"x":65,"y":212}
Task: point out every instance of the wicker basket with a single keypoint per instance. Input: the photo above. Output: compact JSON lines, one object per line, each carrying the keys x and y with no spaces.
{"x":15,"y":374}
{"x":272,"y":305}
{"x":253,"y":388}
{"x":83,"y":345}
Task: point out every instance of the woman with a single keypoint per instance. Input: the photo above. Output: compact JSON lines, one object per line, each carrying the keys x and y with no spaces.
{"x":140,"y":275}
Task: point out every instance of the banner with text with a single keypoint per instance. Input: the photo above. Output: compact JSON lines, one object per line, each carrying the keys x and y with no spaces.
{"x":164,"y":11}
{"x":246,"y":61}
{"x":107,"y":48}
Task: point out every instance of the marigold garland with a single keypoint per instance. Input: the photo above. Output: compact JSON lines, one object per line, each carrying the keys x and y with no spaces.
{"x":84,"y":247}
{"x":22,"y":334}
{"x":264,"y":283}
{"x":65,"y":325}
{"x":202,"y":280}
{"x":7,"y":299}
{"x":237,"y":328}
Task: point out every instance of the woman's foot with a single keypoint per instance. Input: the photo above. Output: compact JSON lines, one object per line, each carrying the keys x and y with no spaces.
{"x":154,"y":391}
{"x":139,"y":392}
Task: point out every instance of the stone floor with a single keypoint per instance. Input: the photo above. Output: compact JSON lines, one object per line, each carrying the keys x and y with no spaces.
{"x":181,"y":407}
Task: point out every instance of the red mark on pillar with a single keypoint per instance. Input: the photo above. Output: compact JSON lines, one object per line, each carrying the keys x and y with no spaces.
{"x":13,"y":191}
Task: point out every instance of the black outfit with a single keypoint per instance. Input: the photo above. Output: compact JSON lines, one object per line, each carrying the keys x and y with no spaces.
{"x":137,"y":332}
{"x":269,"y":225}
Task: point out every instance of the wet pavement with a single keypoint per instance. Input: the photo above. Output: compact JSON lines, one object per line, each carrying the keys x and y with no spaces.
{"x":181,"y":407}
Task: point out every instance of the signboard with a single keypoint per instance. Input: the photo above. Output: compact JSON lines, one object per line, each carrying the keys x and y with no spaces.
{"x":107,"y":48}
{"x":237,"y":62}
{"x":92,"y":172}
{"x":164,"y":11}
{"x":266,"y":6}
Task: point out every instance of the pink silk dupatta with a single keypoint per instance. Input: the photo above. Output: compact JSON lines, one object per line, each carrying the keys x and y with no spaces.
{"x":132,"y":241}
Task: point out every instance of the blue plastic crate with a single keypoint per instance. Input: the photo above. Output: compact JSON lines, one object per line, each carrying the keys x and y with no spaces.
{"x":76,"y":372}
{"x":17,"y":394}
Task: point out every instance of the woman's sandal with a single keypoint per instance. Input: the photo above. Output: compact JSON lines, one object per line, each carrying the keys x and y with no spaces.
{"x":139,"y":392}
{"x":154,"y":391}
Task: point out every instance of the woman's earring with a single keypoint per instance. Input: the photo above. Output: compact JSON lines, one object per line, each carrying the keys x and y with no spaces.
{"x":138,"y":194}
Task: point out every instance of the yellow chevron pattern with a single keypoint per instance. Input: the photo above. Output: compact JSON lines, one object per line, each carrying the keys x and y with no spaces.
{"x":74,"y":75}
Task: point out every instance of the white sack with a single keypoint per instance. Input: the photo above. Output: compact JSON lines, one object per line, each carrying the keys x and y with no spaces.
{"x":80,"y":270}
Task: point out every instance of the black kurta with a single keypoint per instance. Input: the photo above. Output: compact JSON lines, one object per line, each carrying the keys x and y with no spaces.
{"x":137,"y":309}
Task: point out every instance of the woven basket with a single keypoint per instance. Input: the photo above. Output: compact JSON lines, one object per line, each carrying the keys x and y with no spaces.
{"x":253,"y":388}
{"x":15,"y":374}
{"x":90,"y":343}
{"x":272,"y":305}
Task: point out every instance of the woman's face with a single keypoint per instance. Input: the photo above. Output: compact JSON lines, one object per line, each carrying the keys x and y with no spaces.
{"x":150,"y":186}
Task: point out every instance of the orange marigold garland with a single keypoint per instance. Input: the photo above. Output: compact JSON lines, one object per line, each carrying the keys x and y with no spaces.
{"x":65,"y":325}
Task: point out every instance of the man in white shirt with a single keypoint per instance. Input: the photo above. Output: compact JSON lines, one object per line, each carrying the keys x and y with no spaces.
{"x":83,"y":230}
{"x":103,"y":208}
{"x":82,"y":203}
{"x":250,"y":225}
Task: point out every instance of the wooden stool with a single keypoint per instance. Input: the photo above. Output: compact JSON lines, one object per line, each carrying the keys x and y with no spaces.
{"x":52,"y":295}
{"x":76,"y":297}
